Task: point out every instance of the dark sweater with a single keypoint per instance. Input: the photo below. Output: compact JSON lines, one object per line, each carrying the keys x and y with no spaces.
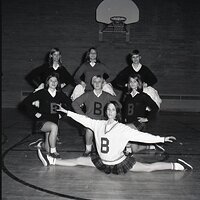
{"x":47,"y":105}
{"x":134,"y":107}
{"x":86,"y":72}
{"x":94,"y":105}
{"x":146,"y":74}
{"x":39,"y":75}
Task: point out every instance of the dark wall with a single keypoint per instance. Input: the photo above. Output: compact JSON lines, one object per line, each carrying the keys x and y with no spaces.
{"x":167,"y":35}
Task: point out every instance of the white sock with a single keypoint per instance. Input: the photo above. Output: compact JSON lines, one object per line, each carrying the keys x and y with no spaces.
{"x":51,"y":160}
{"x":88,"y":147}
{"x":177,"y":166}
{"x":152,"y":147}
{"x":53,"y":150}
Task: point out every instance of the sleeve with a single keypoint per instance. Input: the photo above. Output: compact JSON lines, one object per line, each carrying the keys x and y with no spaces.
{"x":125,"y":108}
{"x":65,"y":103}
{"x":79,"y":73}
{"x":121,"y":79}
{"x":34,"y":77}
{"x":152,"y":105}
{"x":107,"y":73}
{"x":76,"y":104}
{"x":138,"y":136}
{"x":84,"y":120}
{"x":27,"y":102}
{"x":150,"y":77}
{"x":68,"y":78}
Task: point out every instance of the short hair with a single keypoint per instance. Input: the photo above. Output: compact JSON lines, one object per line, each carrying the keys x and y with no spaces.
{"x":118,"y":110}
{"x":95,"y":77}
{"x":135,"y":52}
{"x":56,"y":75}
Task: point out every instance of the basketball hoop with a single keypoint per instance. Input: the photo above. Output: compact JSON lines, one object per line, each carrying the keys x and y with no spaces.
{"x":116,"y":16}
{"x":118,"y":23}
{"x":118,"y":19}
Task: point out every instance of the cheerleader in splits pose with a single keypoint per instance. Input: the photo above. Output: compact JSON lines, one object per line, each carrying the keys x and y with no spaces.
{"x":111,"y":138}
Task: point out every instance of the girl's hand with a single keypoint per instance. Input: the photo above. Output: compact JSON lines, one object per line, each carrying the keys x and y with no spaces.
{"x":83,"y":84}
{"x":61,"y":109}
{"x":62,"y":85}
{"x":170,"y":139}
{"x":142,"y":119}
{"x":144,"y":85}
{"x":38,"y":115}
{"x":41,"y":86}
{"x":36,"y":103}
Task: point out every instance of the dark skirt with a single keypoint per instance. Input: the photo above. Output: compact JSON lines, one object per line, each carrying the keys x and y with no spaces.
{"x":141,"y":126}
{"x":37,"y":126}
{"x":120,"y":168}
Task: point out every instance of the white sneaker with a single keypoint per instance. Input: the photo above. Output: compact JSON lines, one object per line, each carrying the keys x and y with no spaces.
{"x":37,"y":143}
{"x":159,"y":147}
{"x":185,"y":165}
{"x":45,"y":158}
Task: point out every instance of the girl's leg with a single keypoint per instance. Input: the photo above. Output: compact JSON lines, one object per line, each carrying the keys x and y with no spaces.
{"x":135,"y":147}
{"x":88,"y":141}
{"x":140,"y":147}
{"x":46,"y":142}
{"x":51,"y":130}
{"x":149,"y":167}
{"x":82,"y":161}
{"x":49,"y":160}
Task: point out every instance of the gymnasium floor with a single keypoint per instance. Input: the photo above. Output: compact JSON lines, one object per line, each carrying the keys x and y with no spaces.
{"x":24,"y":176}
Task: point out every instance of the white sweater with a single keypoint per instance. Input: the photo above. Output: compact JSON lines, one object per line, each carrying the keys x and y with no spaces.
{"x":111,"y":143}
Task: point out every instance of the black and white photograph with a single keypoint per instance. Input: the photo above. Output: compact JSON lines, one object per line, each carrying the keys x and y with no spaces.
{"x":100,"y":100}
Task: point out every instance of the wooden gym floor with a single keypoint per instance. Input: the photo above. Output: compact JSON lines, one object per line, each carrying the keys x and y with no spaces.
{"x":24,"y":176}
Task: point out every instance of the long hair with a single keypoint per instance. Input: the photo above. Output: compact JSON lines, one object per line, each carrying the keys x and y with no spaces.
{"x":51,"y":52}
{"x":56,"y":75}
{"x":87,"y":56}
{"x":137,"y":77}
{"x":118,"y":110}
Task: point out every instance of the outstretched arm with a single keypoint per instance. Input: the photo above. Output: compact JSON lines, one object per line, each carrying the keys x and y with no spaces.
{"x":138,"y":136}
{"x":82,"y":119}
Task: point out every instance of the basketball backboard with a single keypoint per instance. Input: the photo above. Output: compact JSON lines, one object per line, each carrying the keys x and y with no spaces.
{"x":110,"y":8}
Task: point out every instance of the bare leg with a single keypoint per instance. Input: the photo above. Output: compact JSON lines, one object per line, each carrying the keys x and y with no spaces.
{"x":83,"y":161}
{"x":52,"y":129}
{"x":46,"y":142}
{"x":134,"y":146}
{"x":53,"y":135}
{"x":88,"y":141}
{"x":88,"y":137}
{"x":138,"y":147}
{"x":146,"y":167}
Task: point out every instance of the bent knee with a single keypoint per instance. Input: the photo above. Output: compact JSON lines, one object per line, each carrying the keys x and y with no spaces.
{"x":54,"y":127}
